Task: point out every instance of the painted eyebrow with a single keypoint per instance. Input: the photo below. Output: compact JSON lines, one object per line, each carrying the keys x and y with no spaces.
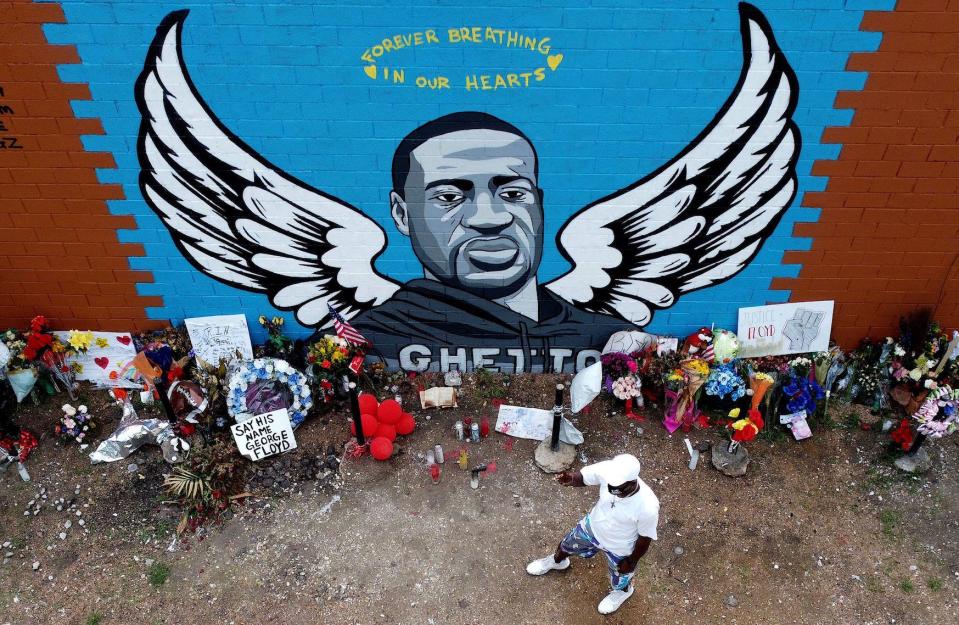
{"x":499,"y":181}
{"x":463,"y":185}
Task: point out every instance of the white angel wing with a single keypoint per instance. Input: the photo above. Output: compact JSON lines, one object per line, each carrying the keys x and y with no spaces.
{"x":702,"y":217}
{"x":238,"y":218}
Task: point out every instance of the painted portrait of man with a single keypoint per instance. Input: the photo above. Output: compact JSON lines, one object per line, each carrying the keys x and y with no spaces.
{"x":466,"y":193}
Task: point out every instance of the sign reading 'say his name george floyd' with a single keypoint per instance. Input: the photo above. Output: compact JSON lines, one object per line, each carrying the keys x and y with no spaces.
{"x":264,"y":435}
{"x":466,"y":194}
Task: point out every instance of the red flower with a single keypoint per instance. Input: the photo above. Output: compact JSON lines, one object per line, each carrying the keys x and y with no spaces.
{"x":756,"y":418}
{"x":217,"y":494}
{"x":745,"y":435}
{"x":186,"y":429}
{"x":903,"y":435}
{"x":325,"y":364}
{"x":311,"y":358}
{"x":326,"y":384}
{"x":37,"y":323}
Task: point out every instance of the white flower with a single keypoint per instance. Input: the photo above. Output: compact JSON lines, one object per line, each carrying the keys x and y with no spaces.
{"x":282,"y":366}
{"x":82,"y":409}
{"x":930,"y":384}
{"x":68,"y":409}
{"x":915,"y":374}
{"x":899,"y":351}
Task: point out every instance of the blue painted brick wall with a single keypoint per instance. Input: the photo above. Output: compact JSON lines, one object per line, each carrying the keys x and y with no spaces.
{"x":639,"y":79}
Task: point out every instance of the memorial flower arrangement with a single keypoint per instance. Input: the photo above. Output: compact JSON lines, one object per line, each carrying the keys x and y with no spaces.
{"x":257,"y":376}
{"x":75,"y":424}
{"x":681,"y":410}
{"x":49,"y":352}
{"x":938,"y":415}
{"x":277,"y":344}
{"x":801,"y":390}
{"x":15,"y":343}
{"x":724,"y":380}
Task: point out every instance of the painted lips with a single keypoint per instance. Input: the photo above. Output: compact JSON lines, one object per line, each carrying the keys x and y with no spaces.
{"x":490,"y":254}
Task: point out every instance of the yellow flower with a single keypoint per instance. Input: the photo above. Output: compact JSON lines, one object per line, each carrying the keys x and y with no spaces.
{"x":734,"y":414}
{"x":764,"y":377}
{"x":80,"y":341}
{"x":278,"y":321}
{"x":102,"y":342}
{"x":262,"y":320}
{"x":338,"y":356}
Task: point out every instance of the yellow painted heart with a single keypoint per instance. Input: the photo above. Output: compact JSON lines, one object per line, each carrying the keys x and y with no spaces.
{"x":370,"y":71}
{"x":554,"y":60}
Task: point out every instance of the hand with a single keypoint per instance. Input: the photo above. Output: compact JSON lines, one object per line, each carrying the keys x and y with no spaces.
{"x":626,"y":566}
{"x":565,"y":478}
{"x":803,"y":328}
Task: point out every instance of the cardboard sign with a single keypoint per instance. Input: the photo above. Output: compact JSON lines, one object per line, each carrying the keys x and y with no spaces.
{"x":106,"y":358}
{"x":264,"y":435}
{"x":794,"y":328}
{"x":219,"y":337}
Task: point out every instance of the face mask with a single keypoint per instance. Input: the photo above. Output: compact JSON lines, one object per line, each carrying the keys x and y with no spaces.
{"x":619,"y":491}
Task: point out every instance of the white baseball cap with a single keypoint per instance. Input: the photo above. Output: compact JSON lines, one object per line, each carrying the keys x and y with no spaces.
{"x":621,"y":469}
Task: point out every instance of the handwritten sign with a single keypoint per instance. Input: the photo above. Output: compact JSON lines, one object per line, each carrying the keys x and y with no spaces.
{"x":264,"y":435}
{"x":215,"y":338}
{"x":105,"y":361}
{"x":544,"y":58}
{"x":794,"y":328}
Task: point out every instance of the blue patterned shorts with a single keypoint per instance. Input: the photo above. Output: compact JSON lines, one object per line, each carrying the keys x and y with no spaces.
{"x":581,"y":542}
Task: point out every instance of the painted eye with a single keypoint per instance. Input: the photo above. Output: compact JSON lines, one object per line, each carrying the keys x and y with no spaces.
{"x":448,"y":198}
{"x":514,"y":195}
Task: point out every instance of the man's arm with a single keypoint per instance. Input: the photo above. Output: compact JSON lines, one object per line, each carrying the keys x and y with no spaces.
{"x":628,"y":564}
{"x":571,"y":478}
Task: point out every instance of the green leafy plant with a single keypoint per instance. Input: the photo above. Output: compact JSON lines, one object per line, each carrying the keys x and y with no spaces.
{"x":188,"y":485}
{"x":906,"y":586}
{"x":158,"y":574}
{"x":934,"y":584}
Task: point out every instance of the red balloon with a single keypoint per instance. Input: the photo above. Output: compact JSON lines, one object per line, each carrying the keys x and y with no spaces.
{"x":370,"y":425}
{"x":389,"y":412}
{"x":381,"y":448}
{"x":387,"y":431}
{"x":405,"y":425}
{"x":368,"y":403}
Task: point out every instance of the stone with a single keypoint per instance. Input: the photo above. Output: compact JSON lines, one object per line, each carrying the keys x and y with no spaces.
{"x":678,"y":551}
{"x":36,"y":566}
{"x":731,"y":600}
{"x":550,"y":461}
{"x":453,"y":378}
{"x":732,"y":464}
{"x":919,"y":462}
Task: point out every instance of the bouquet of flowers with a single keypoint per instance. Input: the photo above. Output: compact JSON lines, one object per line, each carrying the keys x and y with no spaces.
{"x":681,"y":411}
{"x":902,"y":435}
{"x":329,"y":360}
{"x":278,"y":345}
{"x":829,"y":366}
{"x":744,"y":430}
{"x":49,"y":352}
{"x":938,"y":416}
{"x":802,"y":390}
{"x":75,"y":423}
{"x":15,"y":343}
{"x":724,"y":380}
{"x":622,"y":378}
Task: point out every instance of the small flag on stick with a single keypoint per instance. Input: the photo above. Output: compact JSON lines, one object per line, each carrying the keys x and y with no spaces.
{"x":345,"y":331}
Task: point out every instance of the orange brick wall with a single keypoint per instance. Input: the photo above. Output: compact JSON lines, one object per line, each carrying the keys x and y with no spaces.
{"x":886,"y":242}
{"x":59,"y":250}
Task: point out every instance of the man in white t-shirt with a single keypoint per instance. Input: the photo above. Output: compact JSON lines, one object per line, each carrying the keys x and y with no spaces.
{"x":621,"y":525}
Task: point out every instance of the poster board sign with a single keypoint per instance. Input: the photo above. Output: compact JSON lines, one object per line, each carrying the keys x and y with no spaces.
{"x":218,"y":337}
{"x":779,"y":329}
{"x":264,"y":435}
{"x":104,"y":361}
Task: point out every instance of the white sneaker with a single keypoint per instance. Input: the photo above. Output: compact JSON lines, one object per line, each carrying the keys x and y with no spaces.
{"x":613,"y":600}
{"x":545,"y":565}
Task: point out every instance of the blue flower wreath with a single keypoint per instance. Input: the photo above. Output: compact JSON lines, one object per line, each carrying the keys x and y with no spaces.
{"x":270,"y":369}
{"x":723,"y":380}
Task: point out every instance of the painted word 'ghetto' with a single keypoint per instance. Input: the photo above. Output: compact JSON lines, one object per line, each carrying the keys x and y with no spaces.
{"x":513,"y":359}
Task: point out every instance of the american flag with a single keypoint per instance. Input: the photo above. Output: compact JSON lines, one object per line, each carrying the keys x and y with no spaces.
{"x":344,"y":330}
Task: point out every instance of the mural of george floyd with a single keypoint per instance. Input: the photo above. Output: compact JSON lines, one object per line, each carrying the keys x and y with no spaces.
{"x":498,"y":186}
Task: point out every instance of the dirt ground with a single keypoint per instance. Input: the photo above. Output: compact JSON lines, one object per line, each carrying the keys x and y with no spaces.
{"x":823,"y":531}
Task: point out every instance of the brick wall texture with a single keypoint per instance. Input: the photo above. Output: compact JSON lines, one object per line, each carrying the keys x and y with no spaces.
{"x":886,"y":241}
{"x":59,"y":251}
{"x":79,"y":245}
